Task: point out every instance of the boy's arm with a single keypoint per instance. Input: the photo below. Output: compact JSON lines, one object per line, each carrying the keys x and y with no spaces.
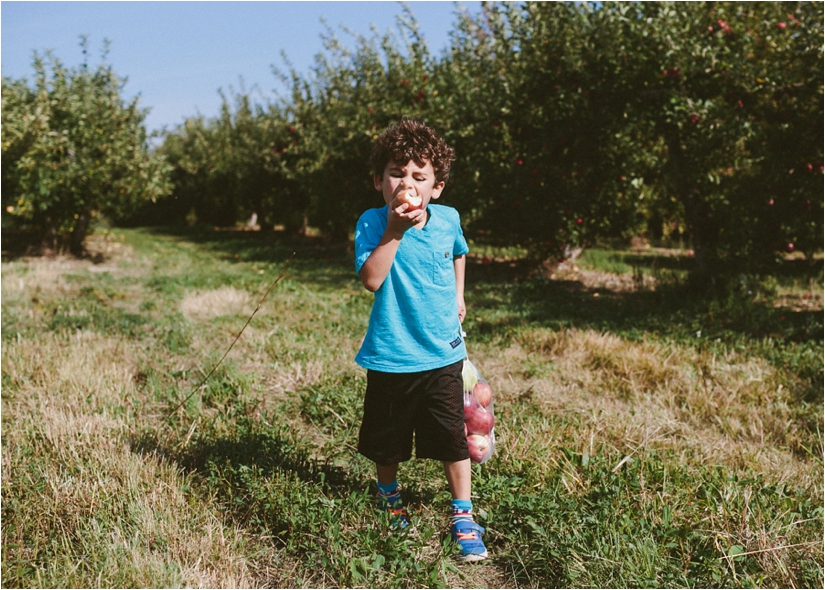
{"x":376,"y":268}
{"x":459,"y":263}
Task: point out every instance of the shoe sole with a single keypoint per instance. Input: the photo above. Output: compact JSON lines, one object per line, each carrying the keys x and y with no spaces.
{"x":471,"y":557}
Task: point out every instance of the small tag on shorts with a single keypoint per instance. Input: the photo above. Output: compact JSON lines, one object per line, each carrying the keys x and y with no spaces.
{"x":456,"y":342}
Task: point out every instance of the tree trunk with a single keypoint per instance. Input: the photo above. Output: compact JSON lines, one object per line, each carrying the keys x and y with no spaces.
{"x":48,"y":237}
{"x":78,"y":237}
{"x":698,"y":214}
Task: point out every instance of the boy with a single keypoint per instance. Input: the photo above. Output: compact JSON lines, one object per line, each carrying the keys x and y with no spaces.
{"x":413,"y":260}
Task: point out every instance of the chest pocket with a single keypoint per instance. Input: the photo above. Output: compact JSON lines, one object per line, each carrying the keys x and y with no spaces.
{"x":443,"y":270}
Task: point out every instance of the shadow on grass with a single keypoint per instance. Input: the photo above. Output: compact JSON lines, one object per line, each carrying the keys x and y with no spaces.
{"x":316,"y":260}
{"x":251,"y":444}
{"x":20,"y":243}
{"x":264,"y":477}
{"x":673,"y":309}
{"x":658,"y":260}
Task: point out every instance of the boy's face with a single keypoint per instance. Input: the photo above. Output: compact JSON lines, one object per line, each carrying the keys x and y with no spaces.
{"x":397,"y":178}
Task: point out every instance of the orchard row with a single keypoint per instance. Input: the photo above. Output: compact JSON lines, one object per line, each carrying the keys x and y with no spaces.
{"x":572,"y":123}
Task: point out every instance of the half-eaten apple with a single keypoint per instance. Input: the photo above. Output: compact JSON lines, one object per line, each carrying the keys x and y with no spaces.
{"x":413,"y":200}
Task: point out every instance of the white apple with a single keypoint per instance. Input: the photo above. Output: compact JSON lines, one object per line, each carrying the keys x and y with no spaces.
{"x":468,"y":373}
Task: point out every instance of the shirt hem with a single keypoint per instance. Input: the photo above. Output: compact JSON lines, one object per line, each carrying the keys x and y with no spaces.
{"x":418,"y":368}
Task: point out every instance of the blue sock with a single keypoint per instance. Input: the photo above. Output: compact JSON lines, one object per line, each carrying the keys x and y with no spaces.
{"x":389,"y":493}
{"x":387,"y":489}
{"x":461,"y":510}
{"x":389,"y":499}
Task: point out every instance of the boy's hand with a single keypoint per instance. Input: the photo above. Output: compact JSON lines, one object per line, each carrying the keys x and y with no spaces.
{"x":400,"y":218}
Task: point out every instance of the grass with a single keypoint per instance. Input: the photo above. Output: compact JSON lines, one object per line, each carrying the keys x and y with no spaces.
{"x":645,"y":437}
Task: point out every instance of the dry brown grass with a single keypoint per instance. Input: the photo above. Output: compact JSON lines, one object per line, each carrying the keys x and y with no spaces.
{"x":46,"y":279}
{"x":205,"y":305}
{"x":726,"y":411}
{"x":128,"y":511}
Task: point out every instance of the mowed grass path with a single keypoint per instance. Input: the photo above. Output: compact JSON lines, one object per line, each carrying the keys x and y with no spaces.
{"x":644,"y":437}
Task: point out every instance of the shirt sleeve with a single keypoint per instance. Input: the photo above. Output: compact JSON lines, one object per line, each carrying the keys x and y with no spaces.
{"x":368,"y":232}
{"x":460,"y":247}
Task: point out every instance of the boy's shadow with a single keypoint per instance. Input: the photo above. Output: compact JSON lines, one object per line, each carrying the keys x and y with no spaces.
{"x":238,"y":467}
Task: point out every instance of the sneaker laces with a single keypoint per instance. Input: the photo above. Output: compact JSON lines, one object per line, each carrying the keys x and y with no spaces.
{"x":471,"y":536}
{"x":467,"y":535}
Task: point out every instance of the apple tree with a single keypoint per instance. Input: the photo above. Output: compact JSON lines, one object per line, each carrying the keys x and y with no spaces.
{"x":733,"y":93}
{"x":542,"y":138}
{"x":580,"y":122}
{"x":73,"y":149}
{"x":336,"y":114}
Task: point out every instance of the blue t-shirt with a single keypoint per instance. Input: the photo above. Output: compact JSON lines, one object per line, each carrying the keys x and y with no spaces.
{"x":414,"y":320}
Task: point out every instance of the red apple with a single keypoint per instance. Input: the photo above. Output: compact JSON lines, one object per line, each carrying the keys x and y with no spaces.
{"x":483,"y":393}
{"x":412,"y":199}
{"x":479,"y":446}
{"x":477,"y":419}
{"x":470,"y":406}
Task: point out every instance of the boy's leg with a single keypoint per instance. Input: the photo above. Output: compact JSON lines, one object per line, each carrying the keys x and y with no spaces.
{"x":386,"y":473}
{"x":459,"y":474}
{"x":389,"y":498}
{"x":388,"y":442}
{"x":465,"y":532}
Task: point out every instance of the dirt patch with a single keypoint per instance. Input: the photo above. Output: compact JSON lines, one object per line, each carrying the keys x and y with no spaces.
{"x":596,"y":280}
{"x":204,"y":305}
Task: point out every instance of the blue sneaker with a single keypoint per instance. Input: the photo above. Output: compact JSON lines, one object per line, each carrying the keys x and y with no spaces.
{"x":399,"y":516}
{"x":467,"y":535}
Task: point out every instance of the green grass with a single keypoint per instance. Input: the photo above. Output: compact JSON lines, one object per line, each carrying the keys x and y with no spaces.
{"x":646,"y":437}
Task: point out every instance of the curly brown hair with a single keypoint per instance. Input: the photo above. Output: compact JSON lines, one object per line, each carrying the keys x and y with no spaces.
{"x":411,"y":139}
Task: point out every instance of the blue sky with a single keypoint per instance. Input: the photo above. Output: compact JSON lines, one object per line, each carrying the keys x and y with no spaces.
{"x":177,"y":55}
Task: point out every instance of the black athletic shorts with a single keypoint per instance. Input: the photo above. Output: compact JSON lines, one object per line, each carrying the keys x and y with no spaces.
{"x":429,"y":404}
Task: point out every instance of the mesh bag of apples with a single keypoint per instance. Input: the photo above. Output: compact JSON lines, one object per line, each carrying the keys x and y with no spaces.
{"x":478,"y":414}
